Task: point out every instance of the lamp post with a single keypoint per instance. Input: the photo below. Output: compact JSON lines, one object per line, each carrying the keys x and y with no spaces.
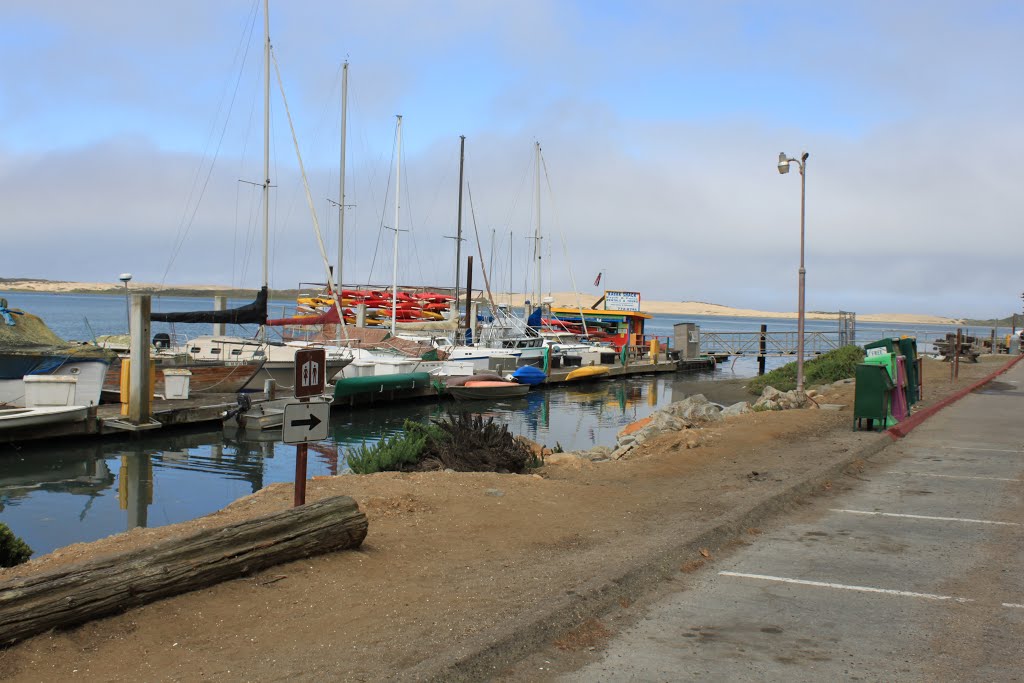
{"x":126,"y":278}
{"x":801,"y":163}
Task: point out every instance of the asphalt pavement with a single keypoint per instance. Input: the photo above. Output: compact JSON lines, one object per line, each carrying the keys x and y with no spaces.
{"x":914,"y":573}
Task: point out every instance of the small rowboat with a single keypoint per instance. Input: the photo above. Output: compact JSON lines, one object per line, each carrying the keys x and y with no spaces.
{"x":589,"y":372}
{"x":488,"y":390}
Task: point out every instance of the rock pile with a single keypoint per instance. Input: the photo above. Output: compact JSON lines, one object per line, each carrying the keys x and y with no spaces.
{"x":691,"y":413}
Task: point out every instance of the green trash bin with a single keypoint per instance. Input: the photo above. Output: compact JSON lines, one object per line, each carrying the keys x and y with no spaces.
{"x":873,"y":396}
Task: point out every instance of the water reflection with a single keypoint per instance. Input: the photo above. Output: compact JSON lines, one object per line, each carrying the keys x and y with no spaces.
{"x":60,"y":495}
{"x":73,"y":472}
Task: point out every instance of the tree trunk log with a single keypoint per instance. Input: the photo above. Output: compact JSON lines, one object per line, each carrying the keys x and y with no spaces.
{"x":112,"y":583}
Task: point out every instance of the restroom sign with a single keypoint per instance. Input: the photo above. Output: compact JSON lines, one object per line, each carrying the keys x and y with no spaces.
{"x":310,"y":369}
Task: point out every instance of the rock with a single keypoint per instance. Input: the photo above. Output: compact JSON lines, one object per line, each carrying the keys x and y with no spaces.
{"x":831,"y":406}
{"x":773,"y":399}
{"x":695,"y":409}
{"x":737,"y":409}
{"x":811,"y":393}
{"x":494,"y":492}
{"x":599,"y":452}
{"x":621,"y":451}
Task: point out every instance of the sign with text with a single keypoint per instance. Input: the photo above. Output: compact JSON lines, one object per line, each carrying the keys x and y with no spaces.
{"x":310,"y":371}
{"x":622,"y":301}
{"x":305,"y":422}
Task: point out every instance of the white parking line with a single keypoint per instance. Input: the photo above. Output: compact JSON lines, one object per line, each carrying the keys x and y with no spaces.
{"x":859,"y":589}
{"x":967,"y":448}
{"x":939,"y":519}
{"x":843,"y":586}
{"x":959,"y":476}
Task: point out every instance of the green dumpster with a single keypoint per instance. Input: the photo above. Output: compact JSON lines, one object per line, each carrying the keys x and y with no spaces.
{"x":872,"y":399}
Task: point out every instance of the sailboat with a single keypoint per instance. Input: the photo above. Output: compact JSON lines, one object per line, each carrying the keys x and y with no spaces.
{"x":277,"y":358}
{"x":504,"y":335}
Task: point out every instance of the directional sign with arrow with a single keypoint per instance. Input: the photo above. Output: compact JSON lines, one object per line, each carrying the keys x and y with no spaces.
{"x":305,"y":422}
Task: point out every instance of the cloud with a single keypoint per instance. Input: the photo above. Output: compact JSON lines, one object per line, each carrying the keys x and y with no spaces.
{"x":660,"y":125}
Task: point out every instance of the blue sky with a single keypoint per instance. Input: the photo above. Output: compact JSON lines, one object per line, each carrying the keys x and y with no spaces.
{"x":126,"y":127}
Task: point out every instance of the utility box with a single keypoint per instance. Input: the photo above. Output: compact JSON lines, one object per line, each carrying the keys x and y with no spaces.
{"x":501,"y":365}
{"x":176,"y":383}
{"x":48,"y":391}
{"x":686,"y":340}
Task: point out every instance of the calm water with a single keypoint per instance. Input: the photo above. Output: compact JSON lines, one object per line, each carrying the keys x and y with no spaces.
{"x":80,"y":492}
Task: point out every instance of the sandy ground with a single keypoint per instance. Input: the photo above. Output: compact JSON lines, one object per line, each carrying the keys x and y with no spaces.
{"x":453,"y":563}
{"x":561,"y":299}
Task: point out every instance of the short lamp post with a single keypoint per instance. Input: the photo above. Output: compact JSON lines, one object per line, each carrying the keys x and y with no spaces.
{"x":126,"y":278}
{"x":801,"y":163}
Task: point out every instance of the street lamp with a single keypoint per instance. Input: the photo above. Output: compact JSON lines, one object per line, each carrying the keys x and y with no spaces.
{"x":126,"y":278}
{"x":801,"y":163}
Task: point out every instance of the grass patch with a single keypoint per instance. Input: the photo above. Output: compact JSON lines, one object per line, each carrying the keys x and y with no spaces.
{"x":827,"y":368}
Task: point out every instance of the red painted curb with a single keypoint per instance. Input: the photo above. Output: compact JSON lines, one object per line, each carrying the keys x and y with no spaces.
{"x":903,"y":428}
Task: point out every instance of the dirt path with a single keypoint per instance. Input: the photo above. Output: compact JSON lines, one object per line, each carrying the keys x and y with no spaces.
{"x":478,"y":568}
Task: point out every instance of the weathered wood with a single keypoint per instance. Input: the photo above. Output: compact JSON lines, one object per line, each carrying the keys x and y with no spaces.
{"x":77,"y":593}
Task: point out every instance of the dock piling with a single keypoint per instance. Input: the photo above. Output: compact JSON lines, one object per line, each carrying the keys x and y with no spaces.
{"x":140,"y":395}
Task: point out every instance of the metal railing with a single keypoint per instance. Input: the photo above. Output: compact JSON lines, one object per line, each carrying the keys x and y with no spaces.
{"x":768,"y":343}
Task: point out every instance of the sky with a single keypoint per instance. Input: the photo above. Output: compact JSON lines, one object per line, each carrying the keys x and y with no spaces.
{"x":131,"y":140}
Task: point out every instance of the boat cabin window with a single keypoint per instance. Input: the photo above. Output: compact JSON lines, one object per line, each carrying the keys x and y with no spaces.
{"x":236,"y":352}
{"x":258,"y":354}
{"x":214,"y":350}
{"x":196,"y":349}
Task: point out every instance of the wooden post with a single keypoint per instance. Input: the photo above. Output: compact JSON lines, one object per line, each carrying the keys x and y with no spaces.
{"x":301,"y":455}
{"x":762,"y":349}
{"x":141,"y":390}
{"x":220,"y":303}
{"x":992,"y":342}
{"x":956,"y":356}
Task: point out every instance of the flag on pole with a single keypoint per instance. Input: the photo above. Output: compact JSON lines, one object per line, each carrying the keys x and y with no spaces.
{"x":597,"y":280}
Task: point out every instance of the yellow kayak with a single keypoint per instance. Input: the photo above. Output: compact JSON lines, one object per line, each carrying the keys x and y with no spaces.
{"x":588,"y":372}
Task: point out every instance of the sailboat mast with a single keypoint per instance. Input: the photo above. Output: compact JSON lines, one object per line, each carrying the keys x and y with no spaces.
{"x":266,"y":141}
{"x":266,"y":153}
{"x":536,"y":234}
{"x":341,"y":175}
{"x":458,"y":233}
{"x":398,"y":194}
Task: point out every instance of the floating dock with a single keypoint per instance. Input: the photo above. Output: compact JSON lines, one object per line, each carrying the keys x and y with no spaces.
{"x":106,"y":420}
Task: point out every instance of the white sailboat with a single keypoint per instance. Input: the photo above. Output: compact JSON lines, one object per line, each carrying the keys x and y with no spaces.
{"x":278,"y":357}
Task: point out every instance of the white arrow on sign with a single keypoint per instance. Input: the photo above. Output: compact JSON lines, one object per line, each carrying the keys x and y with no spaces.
{"x":305,"y":422}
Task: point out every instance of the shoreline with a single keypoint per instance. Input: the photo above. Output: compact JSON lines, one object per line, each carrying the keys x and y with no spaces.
{"x":560,"y":299}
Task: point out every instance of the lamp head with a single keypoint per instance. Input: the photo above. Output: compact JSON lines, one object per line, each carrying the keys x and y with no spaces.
{"x":125,"y":277}
{"x":783,"y":163}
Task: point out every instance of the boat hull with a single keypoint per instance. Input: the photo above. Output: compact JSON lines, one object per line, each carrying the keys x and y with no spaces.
{"x":488,"y":390}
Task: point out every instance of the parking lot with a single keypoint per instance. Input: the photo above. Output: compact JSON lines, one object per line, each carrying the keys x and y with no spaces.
{"x":915,"y":573}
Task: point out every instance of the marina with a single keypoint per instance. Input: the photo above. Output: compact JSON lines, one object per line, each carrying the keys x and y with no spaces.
{"x":86,"y":479}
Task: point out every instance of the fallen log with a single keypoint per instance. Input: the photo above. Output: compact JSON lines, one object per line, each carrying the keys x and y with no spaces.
{"x":106,"y":585}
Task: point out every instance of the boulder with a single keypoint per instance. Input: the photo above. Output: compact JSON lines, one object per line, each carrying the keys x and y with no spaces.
{"x":737,"y":409}
{"x":695,"y":409}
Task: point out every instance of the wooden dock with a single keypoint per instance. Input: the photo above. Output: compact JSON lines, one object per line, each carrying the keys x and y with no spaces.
{"x":107,"y":421}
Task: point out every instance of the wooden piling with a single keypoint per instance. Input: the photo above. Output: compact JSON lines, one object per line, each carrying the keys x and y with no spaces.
{"x":141,"y":391}
{"x":762,"y":349}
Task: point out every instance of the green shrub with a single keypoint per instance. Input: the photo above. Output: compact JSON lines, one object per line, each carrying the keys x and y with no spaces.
{"x":827,"y":368}
{"x":394,"y":452}
{"x":464,"y":442}
{"x":13,"y":550}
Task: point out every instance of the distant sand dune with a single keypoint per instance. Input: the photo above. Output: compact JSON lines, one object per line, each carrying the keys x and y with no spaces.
{"x":561,"y":299}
